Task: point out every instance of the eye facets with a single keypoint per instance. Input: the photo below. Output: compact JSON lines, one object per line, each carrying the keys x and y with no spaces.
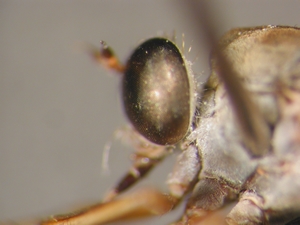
{"x":156,"y":92}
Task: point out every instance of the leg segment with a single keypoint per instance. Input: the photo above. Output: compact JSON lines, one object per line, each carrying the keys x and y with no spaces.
{"x":141,"y":167}
{"x":142,"y":203}
{"x":205,"y":205}
{"x":146,"y":157}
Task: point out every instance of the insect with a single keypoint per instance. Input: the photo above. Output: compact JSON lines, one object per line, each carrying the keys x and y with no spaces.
{"x":256,"y":167}
{"x":239,"y":135}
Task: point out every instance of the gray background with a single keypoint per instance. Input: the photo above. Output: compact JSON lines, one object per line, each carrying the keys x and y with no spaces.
{"x":59,"y":109}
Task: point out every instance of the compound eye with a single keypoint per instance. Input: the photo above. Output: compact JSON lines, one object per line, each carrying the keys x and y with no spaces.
{"x":156,"y":92}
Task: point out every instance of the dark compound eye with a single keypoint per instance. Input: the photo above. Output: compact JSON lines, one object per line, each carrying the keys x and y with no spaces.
{"x":156,"y":92}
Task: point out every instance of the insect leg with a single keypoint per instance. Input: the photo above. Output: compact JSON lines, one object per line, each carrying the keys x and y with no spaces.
{"x":208,"y":192}
{"x":207,"y":198}
{"x":142,"y":203}
{"x":185,"y":172}
{"x":211,"y":217}
{"x":143,"y":161}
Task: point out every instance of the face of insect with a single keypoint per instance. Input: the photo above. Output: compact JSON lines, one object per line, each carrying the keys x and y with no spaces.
{"x":56,"y":119}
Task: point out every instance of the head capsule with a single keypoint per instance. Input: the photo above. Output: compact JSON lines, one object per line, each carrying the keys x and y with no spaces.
{"x":156,"y":92}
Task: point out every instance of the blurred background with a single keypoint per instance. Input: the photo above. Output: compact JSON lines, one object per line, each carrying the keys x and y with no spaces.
{"x":58,"y":109}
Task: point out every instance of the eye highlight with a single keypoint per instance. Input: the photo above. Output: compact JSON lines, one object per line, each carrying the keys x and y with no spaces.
{"x":156,"y":92}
